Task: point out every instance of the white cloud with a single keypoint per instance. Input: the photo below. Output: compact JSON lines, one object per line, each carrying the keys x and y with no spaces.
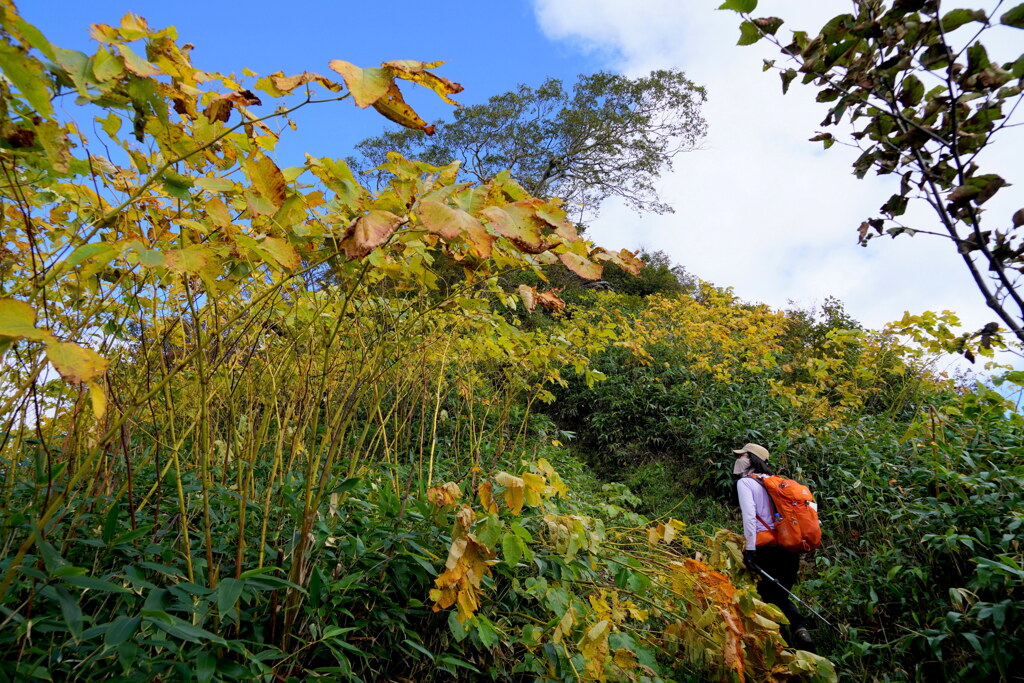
{"x":760,"y":208}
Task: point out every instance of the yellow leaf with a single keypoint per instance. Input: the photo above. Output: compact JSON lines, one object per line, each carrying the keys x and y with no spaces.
{"x":286,"y":84}
{"x":99,"y":400}
{"x":282,"y":252}
{"x":529,"y":297}
{"x":487,"y":497}
{"x":551,"y":301}
{"x":625,"y":659}
{"x":519,"y":224}
{"x":393,"y":106}
{"x":368,"y":232}
{"x":465,"y":517}
{"x":451,"y":223}
{"x":18,"y":320}
{"x":366,"y":85}
{"x":597,"y":630}
{"x":188,"y":260}
{"x":267,"y":179}
{"x":75,"y":363}
{"x":417,"y":72}
{"x":136,"y":64}
{"x":514,"y":499}
{"x":218,"y":211}
{"x":445,"y":495}
{"x":533,"y":481}
{"x":585,"y":268}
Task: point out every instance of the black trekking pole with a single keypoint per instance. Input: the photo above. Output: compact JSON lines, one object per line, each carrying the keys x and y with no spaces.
{"x":790,"y":594}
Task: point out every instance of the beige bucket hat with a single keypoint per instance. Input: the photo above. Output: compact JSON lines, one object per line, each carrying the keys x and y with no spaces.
{"x":742,"y":464}
{"x":759,"y":451}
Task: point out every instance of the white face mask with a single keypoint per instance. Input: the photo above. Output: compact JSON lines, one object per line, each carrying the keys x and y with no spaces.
{"x":741,"y":466}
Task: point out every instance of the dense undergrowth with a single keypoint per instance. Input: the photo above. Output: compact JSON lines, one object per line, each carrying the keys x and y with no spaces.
{"x":920,"y":481}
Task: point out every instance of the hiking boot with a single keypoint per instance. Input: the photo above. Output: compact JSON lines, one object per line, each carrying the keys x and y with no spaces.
{"x":802,"y":639}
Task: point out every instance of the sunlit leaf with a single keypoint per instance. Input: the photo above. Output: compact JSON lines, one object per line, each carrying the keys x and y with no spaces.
{"x":75,"y":363}
{"x":98,"y":399}
{"x":368,"y":232}
{"x":393,"y":106}
{"x":451,"y":223}
{"x":366,"y":85}
{"x":282,"y":252}
{"x":417,"y":72}
{"x":585,"y":268}
{"x":188,"y":260}
{"x":18,"y":320}
{"x":136,"y":64}
{"x":529,"y":297}
{"x":27,"y":76}
{"x":268,"y":180}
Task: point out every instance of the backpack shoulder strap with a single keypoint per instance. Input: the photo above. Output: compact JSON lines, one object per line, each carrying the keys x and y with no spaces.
{"x":771,"y":501}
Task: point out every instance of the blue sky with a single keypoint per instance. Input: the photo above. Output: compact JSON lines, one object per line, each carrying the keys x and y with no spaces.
{"x":489,"y":48}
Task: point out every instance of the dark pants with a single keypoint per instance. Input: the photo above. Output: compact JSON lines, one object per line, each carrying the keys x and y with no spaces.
{"x":782,"y":565}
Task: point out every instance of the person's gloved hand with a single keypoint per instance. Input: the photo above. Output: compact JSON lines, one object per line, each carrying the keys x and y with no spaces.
{"x":750,"y":559}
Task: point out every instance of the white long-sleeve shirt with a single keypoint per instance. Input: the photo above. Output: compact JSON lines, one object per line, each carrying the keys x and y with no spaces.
{"x":754,"y":503}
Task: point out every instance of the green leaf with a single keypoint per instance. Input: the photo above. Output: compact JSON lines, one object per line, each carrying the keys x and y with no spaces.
{"x":100,"y":252}
{"x":954,"y":19}
{"x":227,"y":593}
{"x":121,"y":629}
{"x":787,"y":77}
{"x":456,"y":627}
{"x":176,"y":185}
{"x":110,"y":523}
{"x":206,"y":666}
{"x":1014,"y":18}
{"x":71,"y":610}
{"x":739,"y":5}
{"x":346,"y":485}
{"x":105,"y":66}
{"x":485,"y":631}
{"x":179,"y":628}
{"x":95,"y":584}
{"x":769,"y":26}
{"x":416,"y":646}
{"x":511,"y":548}
{"x":216,"y":184}
{"x":27,"y":76}
{"x":749,"y":33}
{"x":136,"y":64}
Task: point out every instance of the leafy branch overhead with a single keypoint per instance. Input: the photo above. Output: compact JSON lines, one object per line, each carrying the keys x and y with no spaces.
{"x":237,"y":215}
{"x":925,"y":99}
{"x":609,"y":136}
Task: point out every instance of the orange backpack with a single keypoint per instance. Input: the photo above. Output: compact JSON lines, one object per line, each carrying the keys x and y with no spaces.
{"x":796,"y":514}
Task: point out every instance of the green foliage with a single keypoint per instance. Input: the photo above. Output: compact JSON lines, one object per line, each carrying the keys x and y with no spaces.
{"x":610,"y":136}
{"x":659,"y":276}
{"x":919,"y":482}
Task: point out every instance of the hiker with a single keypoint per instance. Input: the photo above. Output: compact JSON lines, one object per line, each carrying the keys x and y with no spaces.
{"x":762,"y":548}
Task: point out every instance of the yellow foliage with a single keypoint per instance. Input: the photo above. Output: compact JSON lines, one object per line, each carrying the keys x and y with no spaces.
{"x":444,"y":495}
